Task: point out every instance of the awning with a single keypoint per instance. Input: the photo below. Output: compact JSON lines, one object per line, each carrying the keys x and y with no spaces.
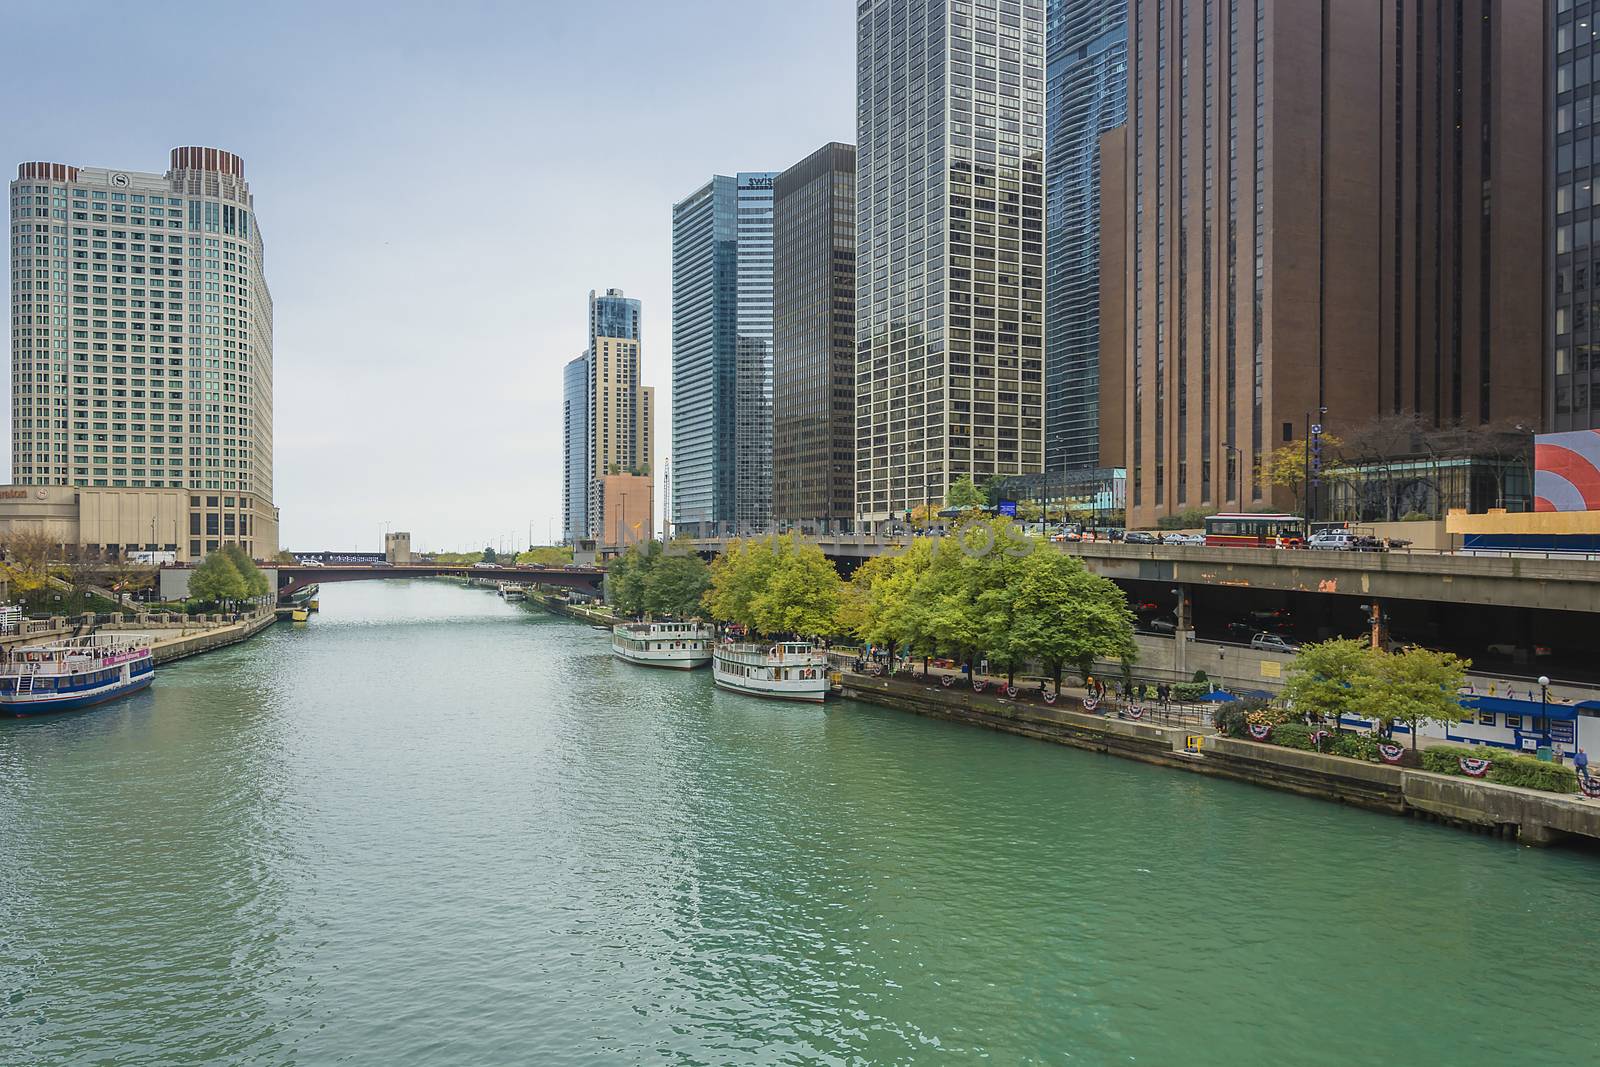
{"x":1533,"y":708}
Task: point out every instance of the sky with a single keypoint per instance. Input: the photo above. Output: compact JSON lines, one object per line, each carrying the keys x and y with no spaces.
{"x":439,"y":187}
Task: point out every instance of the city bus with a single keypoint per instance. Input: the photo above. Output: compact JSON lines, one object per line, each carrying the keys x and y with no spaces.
{"x":1256,"y":531}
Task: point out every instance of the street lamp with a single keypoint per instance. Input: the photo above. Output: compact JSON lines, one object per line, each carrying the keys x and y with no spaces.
{"x":1544,"y":706}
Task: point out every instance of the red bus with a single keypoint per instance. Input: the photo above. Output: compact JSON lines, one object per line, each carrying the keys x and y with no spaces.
{"x":1256,"y":531}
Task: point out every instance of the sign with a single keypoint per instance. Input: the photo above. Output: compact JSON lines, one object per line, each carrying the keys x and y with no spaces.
{"x":1271,"y":669}
{"x":1531,"y":744}
{"x":1007,"y":507}
{"x":13,"y":494}
{"x":1562,"y":730}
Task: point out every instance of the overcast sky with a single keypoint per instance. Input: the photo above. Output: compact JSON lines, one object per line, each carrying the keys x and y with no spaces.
{"x":439,"y":186}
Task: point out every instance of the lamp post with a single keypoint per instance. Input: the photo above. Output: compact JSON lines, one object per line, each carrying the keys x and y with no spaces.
{"x":1544,"y":706}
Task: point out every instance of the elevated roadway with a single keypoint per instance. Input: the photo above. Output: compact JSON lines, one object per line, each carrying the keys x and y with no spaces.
{"x":293,"y":577}
{"x":1487,"y":581}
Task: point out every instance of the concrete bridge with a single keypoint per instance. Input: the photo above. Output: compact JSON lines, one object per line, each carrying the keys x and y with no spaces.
{"x":1488,"y":581}
{"x":292,"y":577}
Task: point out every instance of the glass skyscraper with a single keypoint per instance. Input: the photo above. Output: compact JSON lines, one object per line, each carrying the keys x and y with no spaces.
{"x":722,"y":355}
{"x":950,"y":99}
{"x":575,"y":439}
{"x":753,"y":354}
{"x":1086,"y":94}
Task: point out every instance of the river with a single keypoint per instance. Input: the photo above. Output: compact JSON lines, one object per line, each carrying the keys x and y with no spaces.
{"x":433,"y":828}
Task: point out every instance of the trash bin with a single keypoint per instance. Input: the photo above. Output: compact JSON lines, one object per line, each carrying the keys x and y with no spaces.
{"x":1544,"y":753}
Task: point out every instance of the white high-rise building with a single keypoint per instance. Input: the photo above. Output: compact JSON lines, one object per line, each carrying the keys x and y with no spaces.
{"x":949,"y":246}
{"x":141,"y":350}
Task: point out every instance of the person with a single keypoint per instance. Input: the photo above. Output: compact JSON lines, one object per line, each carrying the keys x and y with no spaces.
{"x":1580,"y":763}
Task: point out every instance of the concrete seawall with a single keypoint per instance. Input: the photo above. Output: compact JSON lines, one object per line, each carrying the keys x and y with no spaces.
{"x":168,"y":649}
{"x":1527,"y":815}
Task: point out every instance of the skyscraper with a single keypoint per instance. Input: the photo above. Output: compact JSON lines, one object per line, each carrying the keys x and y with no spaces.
{"x":722,"y":355}
{"x":1302,"y":200}
{"x":575,"y":440}
{"x":621,"y":420}
{"x":752,"y":417}
{"x":813,"y":353}
{"x":1086,"y":94}
{"x":949,"y":246}
{"x":142,"y":343}
{"x":1573,"y":290}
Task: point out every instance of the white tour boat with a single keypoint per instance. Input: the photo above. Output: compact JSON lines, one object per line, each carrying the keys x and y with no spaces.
{"x":512,"y":592}
{"x":787,"y":670}
{"x":678,"y":645}
{"x":74,"y":673}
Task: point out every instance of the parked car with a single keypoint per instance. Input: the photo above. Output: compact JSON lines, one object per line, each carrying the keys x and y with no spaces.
{"x":1332,"y":541}
{"x":1139,"y":537}
{"x":1193,"y":539}
{"x":1174,"y":539}
{"x":1272,"y":643}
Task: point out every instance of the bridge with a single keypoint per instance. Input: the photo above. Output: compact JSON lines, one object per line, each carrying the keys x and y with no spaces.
{"x":1488,"y":581}
{"x":293,"y":577}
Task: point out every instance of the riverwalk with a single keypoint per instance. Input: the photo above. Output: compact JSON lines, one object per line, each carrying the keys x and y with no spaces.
{"x":1525,"y":815}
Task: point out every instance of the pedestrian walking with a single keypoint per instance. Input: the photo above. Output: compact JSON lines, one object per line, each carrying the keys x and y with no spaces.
{"x":1580,"y":763}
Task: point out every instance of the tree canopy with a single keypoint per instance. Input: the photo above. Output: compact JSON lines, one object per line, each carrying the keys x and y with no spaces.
{"x":646,"y":579}
{"x":963,"y":493}
{"x":1327,"y":678}
{"x":226,"y":576}
{"x":778,"y":585}
{"x":1413,"y":687}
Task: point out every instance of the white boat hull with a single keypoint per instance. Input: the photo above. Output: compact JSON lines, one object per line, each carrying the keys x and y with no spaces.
{"x":756,"y":687}
{"x":671,"y":659}
{"x":783,"y":671}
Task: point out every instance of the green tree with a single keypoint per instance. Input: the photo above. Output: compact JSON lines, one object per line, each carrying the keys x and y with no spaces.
{"x":545,"y":556}
{"x":1330,"y":678}
{"x":1065,"y":616}
{"x":675,"y":585}
{"x":878,"y":605}
{"x":626,"y":576}
{"x":1414,"y":687}
{"x":963,"y":493}
{"x":488,"y":555}
{"x":217,"y":580}
{"x":774,"y":585}
{"x":255,"y":582}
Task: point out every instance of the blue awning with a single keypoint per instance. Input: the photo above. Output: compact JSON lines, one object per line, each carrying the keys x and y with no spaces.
{"x":1534,"y":708}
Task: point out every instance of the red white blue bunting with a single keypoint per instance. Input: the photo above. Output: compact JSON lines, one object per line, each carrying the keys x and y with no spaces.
{"x":1134,"y":712}
{"x":1011,"y":691}
{"x":1474,"y":768}
{"x":1319,"y":737}
{"x":1590,"y":786}
{"x":978,"y":685}
{"x":1260,"y":732}
{"x":1049,"y":698}
{"x":947,"y":680}
{"x":1390,"y":753}
{"x":1090,"y":702}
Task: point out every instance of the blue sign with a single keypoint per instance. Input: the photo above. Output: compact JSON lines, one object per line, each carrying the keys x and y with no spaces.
{"x":1008,"y":507}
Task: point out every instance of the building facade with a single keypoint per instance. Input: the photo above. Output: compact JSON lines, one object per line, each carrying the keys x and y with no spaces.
{"x":1305,"y":234}
{"x":1086,"y":94}
{"x":722,"y":355}
{"x":1573,"y":290}
{"x":141,"y":348}
{"x":575,"y":447}
{"x":626,"y":509}
{"x":949,"y":247}
{"x":621,"y":420}
{"x":813,"y":353}
{"x":752,"y":415}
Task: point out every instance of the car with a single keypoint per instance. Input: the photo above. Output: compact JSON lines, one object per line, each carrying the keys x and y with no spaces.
{"x":1241,"y":630}
{"x":382,"y":563}
{"x":1164,"y":624}
{"x":1139,"y":537}
{"x":1517,"y":652}
{"x":1272,"y":643}
{"x":487,"y":566}
{"x":1144,"y":607}
{"x":1174,"y":539}
{"x":310,"y":562}
{"x":1332,"y":541}
{"x":1192,"y":539}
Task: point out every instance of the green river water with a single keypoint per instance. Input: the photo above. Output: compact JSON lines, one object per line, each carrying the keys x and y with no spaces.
{"x":432,"y":828}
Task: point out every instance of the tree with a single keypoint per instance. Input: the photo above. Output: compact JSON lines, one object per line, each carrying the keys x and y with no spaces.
{"x":774,"y":585}
{"x":217,"y":580}
{"x":28,"y":552}
{"x":1330,"y":678}
{"x":1413,"y":687}
{"x":128,"y":578}
{"x":1285,"y":466}
{"x":545,"y":556}
{"x":878,"y":604}
{"x":963,"y":493}
{"x":286,"y":556}
{"x":675,"y":585}
{"x":488,"y":554}
{"x":1065,"y":616}
{"x":625,"y":579}
{"x":255,"y":582}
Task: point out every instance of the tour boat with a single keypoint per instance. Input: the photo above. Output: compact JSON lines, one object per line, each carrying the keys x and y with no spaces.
{"x":788,"y":670}
{"x":679,"y":645}
{"x":511,"y":592}
{"x":74,"y":673}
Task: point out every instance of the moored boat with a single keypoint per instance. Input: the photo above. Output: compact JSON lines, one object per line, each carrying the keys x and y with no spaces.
{"x":677,"y":645}
{"x":511,"y":592}
{"x":75,"y":673}
{"x":786,"y":670}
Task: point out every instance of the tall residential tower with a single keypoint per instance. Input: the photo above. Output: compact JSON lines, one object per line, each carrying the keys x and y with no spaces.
{"x":722,"y":355}
{"x":949,"y":246}
{"x":142,"y":350}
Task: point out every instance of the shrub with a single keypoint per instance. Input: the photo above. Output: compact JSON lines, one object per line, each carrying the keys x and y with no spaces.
{"x":1201,"y":678}
{"x":1294,"y":735}
{"x":1530,"y":773}
{"x":1229,"y":719}
{"x":1444,"y":759}
{"x":1355,"y":746}
{"x":1189,"y":691}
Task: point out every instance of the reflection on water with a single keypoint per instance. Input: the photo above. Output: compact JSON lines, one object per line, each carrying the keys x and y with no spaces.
{"x":429,"y":827}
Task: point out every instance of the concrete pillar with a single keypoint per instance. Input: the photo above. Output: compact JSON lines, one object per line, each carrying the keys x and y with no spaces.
{"x":1184,"y":632}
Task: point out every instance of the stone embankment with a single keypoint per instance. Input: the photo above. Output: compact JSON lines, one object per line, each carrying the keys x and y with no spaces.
{"x":1526,"y":815}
